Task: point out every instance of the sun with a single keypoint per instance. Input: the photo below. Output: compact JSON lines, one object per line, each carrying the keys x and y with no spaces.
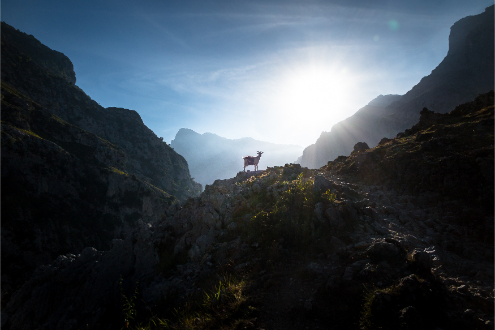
{"x":303,"y":100}
{"x":315,"y":90}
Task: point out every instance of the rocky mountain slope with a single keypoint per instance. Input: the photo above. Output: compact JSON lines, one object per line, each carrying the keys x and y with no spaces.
{"x":73,"y":173}
{"x":48,"y":85}
{"x":211,"y":157}
{"x":465,"y":72}
{"x":396,"y":236}
{"x":367,"y":124}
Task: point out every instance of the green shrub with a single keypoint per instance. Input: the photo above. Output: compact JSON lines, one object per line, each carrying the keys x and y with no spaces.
{"x":224,"y":306}
{"x":328,"y":196}
{"x":128,"y":306}
{"x":290,"y":216}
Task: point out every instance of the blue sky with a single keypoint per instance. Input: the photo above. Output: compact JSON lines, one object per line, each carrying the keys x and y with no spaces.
{"x":277,"y":71}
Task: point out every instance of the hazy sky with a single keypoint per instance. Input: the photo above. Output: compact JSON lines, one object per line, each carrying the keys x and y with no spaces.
{"x":277,"y":71}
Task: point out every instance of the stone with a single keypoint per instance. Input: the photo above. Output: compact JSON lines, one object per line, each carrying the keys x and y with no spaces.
{"x":409,"y":316}
{"x":422,"y":261}
{"x":383,"y":251}
{"x":232,"y":226}
{"x":334,"y":216}
{"x":336,"y":243}
{"x":361,"y":245}
{"x":348,"y":274}
{"x":360,"y":146}
{"x":384,"y":140}
{"x":319,"y":211}
{"x":322,"y":184}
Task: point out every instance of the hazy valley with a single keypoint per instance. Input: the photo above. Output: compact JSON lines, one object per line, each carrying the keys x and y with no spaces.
{"x":211,"y":157}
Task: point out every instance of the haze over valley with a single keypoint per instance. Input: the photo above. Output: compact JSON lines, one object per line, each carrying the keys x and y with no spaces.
{"x":211,"y":157}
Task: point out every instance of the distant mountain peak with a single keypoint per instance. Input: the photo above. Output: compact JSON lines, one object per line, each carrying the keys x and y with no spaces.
{"x":224,"y":155}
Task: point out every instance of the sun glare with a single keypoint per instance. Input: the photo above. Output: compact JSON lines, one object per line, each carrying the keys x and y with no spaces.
{"x":321,"y":93}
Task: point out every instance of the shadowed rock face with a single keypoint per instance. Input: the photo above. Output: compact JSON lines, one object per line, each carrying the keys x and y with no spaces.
{"x":55,"y":62}
{"x":440,"y":152}
{"x":466,"y":71}
{"x":148,"y":157}
{"x":73,"y":173}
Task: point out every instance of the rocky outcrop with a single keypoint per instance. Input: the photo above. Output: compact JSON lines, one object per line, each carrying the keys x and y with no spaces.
{"x":465,"y":72}
{"x":211,"y":157}
{"x":450,"y":154}
{"x":63,"y":189}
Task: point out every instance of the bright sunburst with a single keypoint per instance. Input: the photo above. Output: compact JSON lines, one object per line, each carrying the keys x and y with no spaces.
{"x":320,"y":92}
{"x":315,"y":89}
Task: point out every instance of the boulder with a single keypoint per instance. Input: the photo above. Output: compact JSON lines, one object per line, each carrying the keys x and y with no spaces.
{"x":321,"y":184}
{"x":421,"y":261}
{"x":380,"y":251}
{"x":360,"y":146}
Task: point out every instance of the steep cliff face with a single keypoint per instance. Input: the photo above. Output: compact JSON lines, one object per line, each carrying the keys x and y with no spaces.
{"x":466,"y":71}
{"x":212,"y":157}
{"x":73,"y":173}
{"x":55,"y":62}
{"x":148,"y":157}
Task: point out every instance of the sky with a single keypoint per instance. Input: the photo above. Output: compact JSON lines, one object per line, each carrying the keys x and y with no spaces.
{"x":277,"y":71}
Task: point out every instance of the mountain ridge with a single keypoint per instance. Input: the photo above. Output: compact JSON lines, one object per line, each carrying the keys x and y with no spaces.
{"x":466,"y":71}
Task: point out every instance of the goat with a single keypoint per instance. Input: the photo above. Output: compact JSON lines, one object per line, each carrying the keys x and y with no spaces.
{"x":250,"y":160}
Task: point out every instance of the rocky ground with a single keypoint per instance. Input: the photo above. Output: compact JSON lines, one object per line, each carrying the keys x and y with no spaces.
{"x":386,"y":263}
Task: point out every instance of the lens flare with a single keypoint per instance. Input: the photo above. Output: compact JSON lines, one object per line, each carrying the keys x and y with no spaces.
{"x":393,"y":25}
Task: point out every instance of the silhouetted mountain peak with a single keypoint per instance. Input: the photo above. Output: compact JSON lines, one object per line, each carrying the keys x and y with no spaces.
{"x":55,"y":62}
{"x":464,"y":31}
{"x":183,"y":132}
